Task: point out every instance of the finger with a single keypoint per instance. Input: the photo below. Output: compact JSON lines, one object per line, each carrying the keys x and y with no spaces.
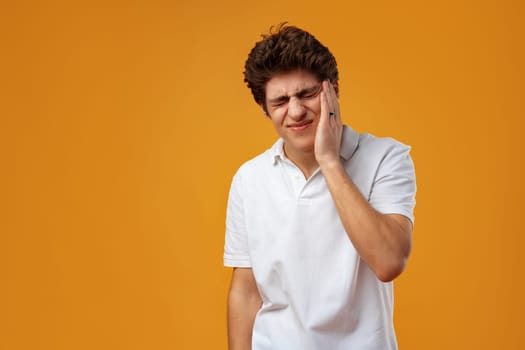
{"x":333,"y":102}
{"x":335,"y":107}
{"x":325,"y":109}
{"x":335,"y":99}
{"x":329,"y":100}
{"x":328,"y":93}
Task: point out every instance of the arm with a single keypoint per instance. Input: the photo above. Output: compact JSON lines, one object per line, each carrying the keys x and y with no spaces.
{"x":243,"y":303}
{"x":382,"y":240}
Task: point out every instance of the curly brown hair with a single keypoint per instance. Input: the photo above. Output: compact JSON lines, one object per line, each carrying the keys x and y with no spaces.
{"x":288,"y":48}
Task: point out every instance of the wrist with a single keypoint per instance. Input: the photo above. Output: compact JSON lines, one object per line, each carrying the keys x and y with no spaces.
{"x":331,"y":165}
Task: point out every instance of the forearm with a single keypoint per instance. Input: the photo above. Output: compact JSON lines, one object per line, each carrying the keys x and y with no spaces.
{"x":382,"y":241}
{"x":243,"y":303}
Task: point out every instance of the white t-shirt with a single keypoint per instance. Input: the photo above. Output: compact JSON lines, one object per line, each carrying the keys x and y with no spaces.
{"x":317,"y":292}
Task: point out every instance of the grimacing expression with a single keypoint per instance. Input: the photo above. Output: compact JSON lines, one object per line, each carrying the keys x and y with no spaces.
{"x":294,"y":106}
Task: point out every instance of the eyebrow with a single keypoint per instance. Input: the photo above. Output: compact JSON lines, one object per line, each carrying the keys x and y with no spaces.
{"x":299,"y":94}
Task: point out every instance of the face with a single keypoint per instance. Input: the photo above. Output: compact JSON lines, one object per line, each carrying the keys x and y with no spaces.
{"x":294,"y":106}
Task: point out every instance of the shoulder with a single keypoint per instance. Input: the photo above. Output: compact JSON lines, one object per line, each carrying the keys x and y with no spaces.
{"x":381,"y":146}
{"x":379,"y":155}
{"x":257,"y":166}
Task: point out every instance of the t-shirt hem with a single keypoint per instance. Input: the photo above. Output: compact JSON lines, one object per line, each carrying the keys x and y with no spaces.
{"x":237,"y":261}
{"x":391,"y":210}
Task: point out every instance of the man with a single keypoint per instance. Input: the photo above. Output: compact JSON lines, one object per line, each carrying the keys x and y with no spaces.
{"x":320,"y":224}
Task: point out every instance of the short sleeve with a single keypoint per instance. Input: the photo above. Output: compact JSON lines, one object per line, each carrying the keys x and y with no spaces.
{"x":394,"y":188}
{"x":236,"y":253}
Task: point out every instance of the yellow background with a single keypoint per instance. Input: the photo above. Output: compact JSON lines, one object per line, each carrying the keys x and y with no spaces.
{"x":122,"y":123}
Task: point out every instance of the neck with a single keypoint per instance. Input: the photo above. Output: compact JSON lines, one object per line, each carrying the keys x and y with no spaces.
{"x":305,"y":161}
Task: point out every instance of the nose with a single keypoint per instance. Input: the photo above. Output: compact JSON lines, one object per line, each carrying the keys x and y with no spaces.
{"x":296,"y":109}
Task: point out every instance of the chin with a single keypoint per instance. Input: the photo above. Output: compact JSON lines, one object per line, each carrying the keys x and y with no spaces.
{"x":304,"y":147}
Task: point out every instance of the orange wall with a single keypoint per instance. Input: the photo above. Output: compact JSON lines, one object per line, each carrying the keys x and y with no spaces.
{"x":122,"y":123}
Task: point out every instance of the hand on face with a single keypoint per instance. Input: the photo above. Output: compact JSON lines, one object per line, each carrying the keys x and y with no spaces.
{"x":330,"y":128}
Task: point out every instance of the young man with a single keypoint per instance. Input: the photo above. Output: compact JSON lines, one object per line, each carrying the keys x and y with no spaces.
{"x":320,"y":224}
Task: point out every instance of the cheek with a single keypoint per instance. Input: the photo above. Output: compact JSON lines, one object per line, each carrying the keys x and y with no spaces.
{"x":315,"y":106}
{"x":277,"y":117}
{"x":277,"y":123}
{"x":316,"y":123}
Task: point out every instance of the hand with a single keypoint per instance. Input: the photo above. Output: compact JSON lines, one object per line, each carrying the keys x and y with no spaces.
{"x":330,"y":128}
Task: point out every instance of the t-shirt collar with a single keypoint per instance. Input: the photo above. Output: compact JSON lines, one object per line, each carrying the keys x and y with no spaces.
{"x":350,"y":142}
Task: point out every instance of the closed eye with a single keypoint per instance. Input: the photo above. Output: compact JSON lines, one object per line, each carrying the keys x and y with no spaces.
{"x":279,"y":102}
{"x":310,"y":93}
{"x":304,"y":94}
